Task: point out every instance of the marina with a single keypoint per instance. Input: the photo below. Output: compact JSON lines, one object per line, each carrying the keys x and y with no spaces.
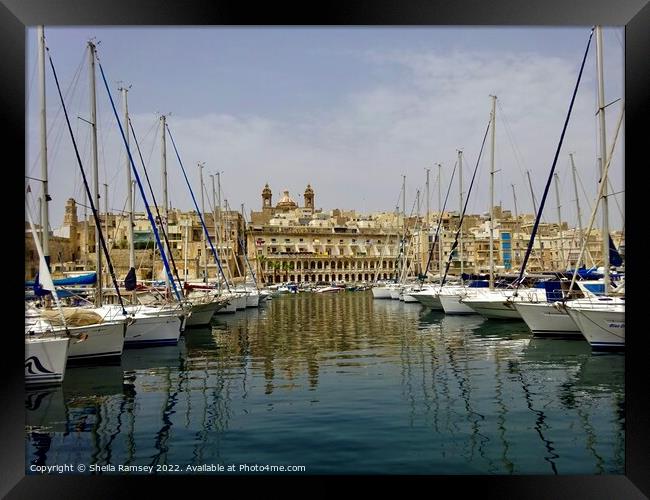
{"x":342,"y":384}
{"x":182,"y":333}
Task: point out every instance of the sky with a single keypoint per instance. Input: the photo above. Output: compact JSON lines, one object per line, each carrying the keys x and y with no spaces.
{"x":347,"y":110}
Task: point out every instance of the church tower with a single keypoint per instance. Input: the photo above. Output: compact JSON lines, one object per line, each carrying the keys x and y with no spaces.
{"x":266,"y":197}
{"x":309,"y":198}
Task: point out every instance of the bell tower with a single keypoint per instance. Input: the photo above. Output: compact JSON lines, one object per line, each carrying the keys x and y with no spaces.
{"x":266,"y":197}
{"x":309,"y":198}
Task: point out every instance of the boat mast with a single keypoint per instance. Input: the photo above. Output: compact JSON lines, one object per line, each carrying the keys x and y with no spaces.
{"x":575,"y":189}
{"x":93,"y":124}
{"x":204,"y":251}
{"x":163,"y":159}
{"x":559,"y":220}
{"x":44,"y":210}
{"x":603,"y":152}
{"x":129,"y":182}
{"x":517,"y":227}
{"x":440,"y":222}
{"x":105,"y":208}
{"x":243,"y":217}
{"x":418,"y":269}
{"x":491,"y":281}
{"x":187,"y":226}
{"x":129,"y":188}
{"x":532,"y":194}
{"x":460,"y":187}
{"x":85,"y":230}
{"x":427,"y":219}
{"x":403,"y":227}
{"x":214,"y":218}
{"x":222,"y":234}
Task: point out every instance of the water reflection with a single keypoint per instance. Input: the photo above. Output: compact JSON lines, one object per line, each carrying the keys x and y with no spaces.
{"x":321,"y":380}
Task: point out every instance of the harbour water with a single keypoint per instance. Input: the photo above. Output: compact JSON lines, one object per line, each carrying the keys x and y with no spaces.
{"x":339,"y":384}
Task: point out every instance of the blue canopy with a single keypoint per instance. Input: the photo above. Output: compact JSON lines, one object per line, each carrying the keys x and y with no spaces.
{"x":84,"y":279}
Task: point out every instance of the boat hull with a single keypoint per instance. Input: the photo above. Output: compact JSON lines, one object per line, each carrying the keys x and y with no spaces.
{"x":429,"y":300}
{"x":451,"y":304}
{"x":103,"y":341}
{"x":202,"y":314}
{"x":546,"y":320}
{"x":493,"y":309}
{"x":380,"y":292}
{"x":163,"y":329}
{"x":45,"y":359}
{"x":253,"y":300}
{"x":604,"y":329}
{"x":228,"y":308}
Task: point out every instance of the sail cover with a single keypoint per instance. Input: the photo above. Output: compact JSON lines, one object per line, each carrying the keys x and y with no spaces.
{"x":615,"y":258}
{"x":130,"y":281}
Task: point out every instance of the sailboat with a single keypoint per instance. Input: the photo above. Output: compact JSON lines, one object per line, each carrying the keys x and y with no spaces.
{"x":46,"y":351}
{"x":150,"y":324}
{"x":428,"y":294}
{"x":96,"y":338}
{"x":450,"y":296}
{"x":599,"y":319}
{"x":602,"y":320}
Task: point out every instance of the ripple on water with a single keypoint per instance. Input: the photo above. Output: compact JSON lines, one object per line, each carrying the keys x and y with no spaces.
{"x":344,"y":384}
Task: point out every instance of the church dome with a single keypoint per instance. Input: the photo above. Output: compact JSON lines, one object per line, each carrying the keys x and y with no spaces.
{"x":286,"y":201}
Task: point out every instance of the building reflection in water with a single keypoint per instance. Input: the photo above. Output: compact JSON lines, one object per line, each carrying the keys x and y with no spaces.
{"x":380,"y":381}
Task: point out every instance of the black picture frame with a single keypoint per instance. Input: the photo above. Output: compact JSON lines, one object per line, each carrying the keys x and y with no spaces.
{"x":16,"y":15}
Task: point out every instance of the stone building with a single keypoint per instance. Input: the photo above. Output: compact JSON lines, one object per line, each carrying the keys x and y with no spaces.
{"x":286,"y":242}
{"x":304,"y":244}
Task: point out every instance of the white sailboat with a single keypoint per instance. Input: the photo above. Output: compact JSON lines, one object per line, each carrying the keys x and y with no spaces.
{"x":602,"y":320}
{"x":92,"y":338}
{"x":148,"y":324}
{"x":46,"y":353}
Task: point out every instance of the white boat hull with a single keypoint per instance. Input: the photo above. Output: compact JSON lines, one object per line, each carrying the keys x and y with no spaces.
{"x":380,"y":292}
{"x":228,"y":308}
{"x":429,"y":300}
{"x":202,"y":313}
{"x":45,"y":359}
{"x":163,"y":329}
{"x":409,"y":298}
{"x":604,"y":329}
{"x":240,"y":302}
{"x":394,"y":294}
{"x":494,"y":309}
{"x":253,"y":300}
{"x":104,"y":340}
{"x":451,"y":304}
{"x":545,"y":319}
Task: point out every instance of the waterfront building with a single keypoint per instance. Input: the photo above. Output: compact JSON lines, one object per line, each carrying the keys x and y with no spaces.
{"x":287,"y":242}
{"x":308,"y":245}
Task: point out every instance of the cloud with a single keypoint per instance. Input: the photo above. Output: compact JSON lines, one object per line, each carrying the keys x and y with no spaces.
{"x":422,"y":107}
